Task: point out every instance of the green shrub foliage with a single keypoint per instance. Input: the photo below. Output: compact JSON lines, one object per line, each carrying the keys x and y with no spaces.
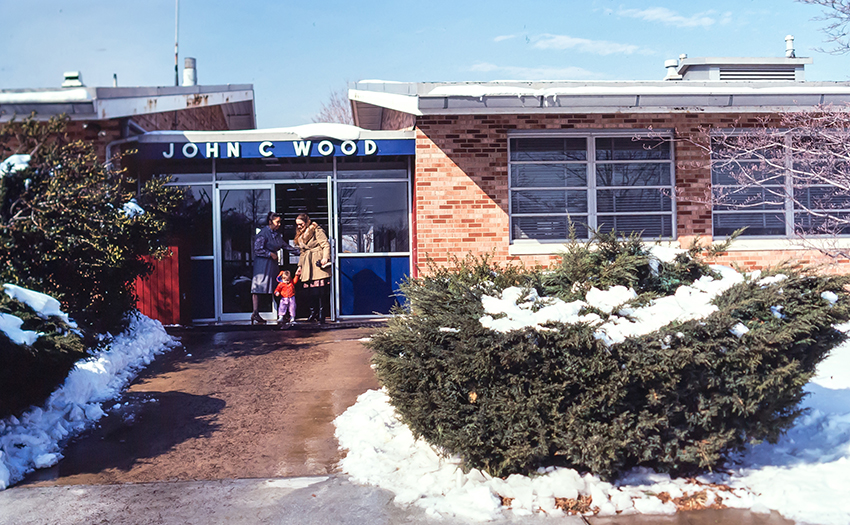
{"x":29,"y":374}
{"x":63,"y":230}
{"x":678,"y":400}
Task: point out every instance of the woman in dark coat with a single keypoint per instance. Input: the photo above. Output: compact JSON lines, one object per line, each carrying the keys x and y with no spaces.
{"x":314,"y":264}
{"x":266,"y":245}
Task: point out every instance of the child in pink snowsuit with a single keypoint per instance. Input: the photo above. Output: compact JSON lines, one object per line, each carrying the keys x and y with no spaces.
{"x":285,"y":291}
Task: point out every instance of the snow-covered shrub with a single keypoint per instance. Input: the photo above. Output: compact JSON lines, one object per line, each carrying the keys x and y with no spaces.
{"x":71,"y":226}
{"x":36,"y":362}
{"x":610,"y":380}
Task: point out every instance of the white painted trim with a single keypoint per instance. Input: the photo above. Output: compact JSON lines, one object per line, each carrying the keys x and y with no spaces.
{"x":765,"y":245}
{"x":404,"y":103}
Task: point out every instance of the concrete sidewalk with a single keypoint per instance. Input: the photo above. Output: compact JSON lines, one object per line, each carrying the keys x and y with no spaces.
{"x":236,"y":426}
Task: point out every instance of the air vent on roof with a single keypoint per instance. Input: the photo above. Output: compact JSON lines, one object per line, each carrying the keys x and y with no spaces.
{"x":73,"y":79}
{"x":757,"y":73}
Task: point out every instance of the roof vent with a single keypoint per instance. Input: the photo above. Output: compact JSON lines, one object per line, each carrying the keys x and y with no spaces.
{"x":789,"y":47}
{"x":73,"y":79}
{"x":672,"y":65}
{"x":190,"y":73}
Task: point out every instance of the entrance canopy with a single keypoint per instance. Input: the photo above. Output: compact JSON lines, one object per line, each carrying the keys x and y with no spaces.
{"x":354,"y":183}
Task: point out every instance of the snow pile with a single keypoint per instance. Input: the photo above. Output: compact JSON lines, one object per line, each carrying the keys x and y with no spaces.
{"x":11,"y":326}
{"x":383,"y":452}
{"x":43,"y":304}
{"x":514,"y":309}
{"x":32,"y":441}
{"x":805,"y":475}
{"x":14,"y":164}
{"x":131,"y":208}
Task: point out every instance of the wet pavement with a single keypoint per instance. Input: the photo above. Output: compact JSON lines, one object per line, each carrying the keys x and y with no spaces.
{"x":236,"y":404}
{"x":236,"y":426}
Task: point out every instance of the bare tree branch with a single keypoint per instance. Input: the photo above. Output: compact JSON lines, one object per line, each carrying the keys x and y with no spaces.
{"x":786,"y":176}
{"x":337,"y":109}
{"x":836,"y":14}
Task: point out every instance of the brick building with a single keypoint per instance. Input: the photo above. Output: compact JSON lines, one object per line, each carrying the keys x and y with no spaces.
{"x":506,"y":168}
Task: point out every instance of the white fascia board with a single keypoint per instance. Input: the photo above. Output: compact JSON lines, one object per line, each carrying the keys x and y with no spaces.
{"x":403,"y":103}
{"x":57,"y":96}
{"x":273,"y":134}
{"x":109,"y":108}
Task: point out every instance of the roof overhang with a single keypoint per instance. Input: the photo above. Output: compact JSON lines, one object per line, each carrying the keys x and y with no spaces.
{"x":98,"y":103}
{"x":519,"y":97}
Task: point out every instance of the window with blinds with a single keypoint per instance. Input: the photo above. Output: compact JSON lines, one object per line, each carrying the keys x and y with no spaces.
{"x":590,"y":182}
{"x":771,"y":193}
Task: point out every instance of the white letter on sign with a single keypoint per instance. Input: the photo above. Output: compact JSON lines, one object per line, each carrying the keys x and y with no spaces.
{"x":326,"y":147}
{"x":190,"y":147}
{"x":212,"y":150}
{"x":170,"y":151}
{"x":264,"y":148}
{"x":232,"y":149}
{"x":302,"y":149}
{"x":348,"y":147}
{"x":369,"y":147}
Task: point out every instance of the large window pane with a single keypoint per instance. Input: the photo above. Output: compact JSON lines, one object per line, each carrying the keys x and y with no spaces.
{"x":746,"y":173}
{"x":822,"y":198}
{"x":193,"y":220}
{"x":373,"y":217}
{"x":756,"y":223}
{"x":646,"y":225}
{"x":631,"y":201}
{"x":549,"y":201}
{"x":749,"y":198}
{"x":629,"y":148}
{"x":831,"y":224}
{"x":633,"y":174}
{"x":549,"y":228}
{"x":548,"y":175}
{"x":545,"y":149}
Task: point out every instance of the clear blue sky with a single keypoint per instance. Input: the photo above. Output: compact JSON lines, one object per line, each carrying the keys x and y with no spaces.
{"x":295,"y":53}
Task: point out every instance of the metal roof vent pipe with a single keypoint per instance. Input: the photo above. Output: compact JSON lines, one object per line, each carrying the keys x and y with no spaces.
{"x":789,"y":47}
{"x":73,"y":79}
{"x":672,"y":65}
{"x":190,"y":74}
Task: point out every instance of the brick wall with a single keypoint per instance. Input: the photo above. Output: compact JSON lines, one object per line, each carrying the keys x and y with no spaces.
{"x":461,"y":181}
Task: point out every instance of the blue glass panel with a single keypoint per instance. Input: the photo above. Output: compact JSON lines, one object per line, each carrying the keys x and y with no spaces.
{"x":368,"y":284}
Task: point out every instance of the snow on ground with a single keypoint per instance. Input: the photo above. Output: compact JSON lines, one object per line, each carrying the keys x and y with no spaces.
{"x":805,"y":476}
{"x":33,"y":441}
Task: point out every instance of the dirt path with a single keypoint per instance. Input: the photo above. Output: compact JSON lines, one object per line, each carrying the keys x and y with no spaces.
{"x":226,"y":405}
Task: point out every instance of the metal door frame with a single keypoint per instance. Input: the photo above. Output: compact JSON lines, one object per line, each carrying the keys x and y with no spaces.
{"x":332,"y":228}
{"x":218,"y":186}
{"x":217,"y":248}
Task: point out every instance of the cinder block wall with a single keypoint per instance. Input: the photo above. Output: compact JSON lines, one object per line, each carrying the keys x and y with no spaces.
{"x":461,"y":183}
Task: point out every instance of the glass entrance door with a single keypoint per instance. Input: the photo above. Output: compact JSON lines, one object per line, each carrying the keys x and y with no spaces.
{"x":242,"y":213}
{"x":310,"y":197}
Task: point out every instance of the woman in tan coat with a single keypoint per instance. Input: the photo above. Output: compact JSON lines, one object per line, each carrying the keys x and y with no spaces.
{"x":314,"y":263}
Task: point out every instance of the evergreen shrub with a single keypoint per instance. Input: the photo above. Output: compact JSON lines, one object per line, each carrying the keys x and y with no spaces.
{"x":29,"y":374}
{"x":678,"y":400}
{"x":64,"y":229}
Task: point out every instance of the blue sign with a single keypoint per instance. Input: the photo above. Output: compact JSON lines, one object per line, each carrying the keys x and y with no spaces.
{"x":275,"y":149}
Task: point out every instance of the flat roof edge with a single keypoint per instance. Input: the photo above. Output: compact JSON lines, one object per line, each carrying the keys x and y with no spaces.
{"x":256,"y":135}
